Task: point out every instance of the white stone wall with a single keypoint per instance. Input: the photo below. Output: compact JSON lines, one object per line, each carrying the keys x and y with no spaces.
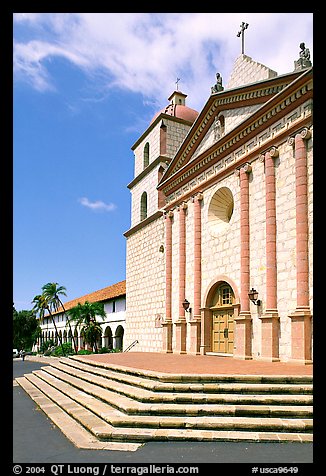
{"x":221,"y":253}
{"x":246,"y":71}
{"x":148,"y":184}
{"x":145,"y":287}
{"x":153,"y":138}
{"x":176,"y":132}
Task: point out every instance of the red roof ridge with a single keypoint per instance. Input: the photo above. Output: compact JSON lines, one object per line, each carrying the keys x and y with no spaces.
{"x":109,"y":292}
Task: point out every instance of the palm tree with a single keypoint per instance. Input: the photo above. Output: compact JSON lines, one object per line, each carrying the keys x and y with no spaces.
{"x":52,"y":291}
{"x":85,"y":316}
{"x":41,"y":304}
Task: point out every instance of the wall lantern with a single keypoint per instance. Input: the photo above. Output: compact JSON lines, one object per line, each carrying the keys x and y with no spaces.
{"x":253,"y":296}
{"x":186,"y":305}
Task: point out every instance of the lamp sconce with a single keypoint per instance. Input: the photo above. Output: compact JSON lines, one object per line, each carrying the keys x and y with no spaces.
{"x":186,"y":305}
{"x":253,"y":296}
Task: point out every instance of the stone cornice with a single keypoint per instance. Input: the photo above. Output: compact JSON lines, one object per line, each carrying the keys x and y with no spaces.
{"x":151,"y":166}
{"x":229,"y":163}
{"x":277,"y":88}
{"x":285,"y":101}
{"x":143,"y":223}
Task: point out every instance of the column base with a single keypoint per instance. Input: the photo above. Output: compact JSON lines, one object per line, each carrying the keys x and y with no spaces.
{"x":301,"y":335}
{"x":180,"y":335}
{"x":243,"y":342}
{"x":203,"y":349}
{"x":194,"y":331}
{"x":167,"y":336}
{"x":268,"y":359}
{"x":270,"y":324}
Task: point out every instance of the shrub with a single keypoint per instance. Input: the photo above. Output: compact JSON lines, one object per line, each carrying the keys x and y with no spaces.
{"x":104,"y":350}
{"x":46,"y":345}
{"x":84,"y":352}
{"x":67,"y":348}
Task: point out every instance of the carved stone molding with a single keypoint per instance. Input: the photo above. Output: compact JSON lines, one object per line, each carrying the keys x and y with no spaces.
{"x":305,"y":134}
{"x":246,"y":168}
{"x":199,"y":196}
{"x":182,"y":206}
{"x":168,"y":214}
{"x":273,"y":152}
{"x":290,"y":141}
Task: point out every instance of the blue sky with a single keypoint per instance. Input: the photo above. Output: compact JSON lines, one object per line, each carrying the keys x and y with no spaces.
{"x":86,"y":86}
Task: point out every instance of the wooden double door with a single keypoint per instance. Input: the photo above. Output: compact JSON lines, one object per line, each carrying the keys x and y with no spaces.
{"x":223,"y":331}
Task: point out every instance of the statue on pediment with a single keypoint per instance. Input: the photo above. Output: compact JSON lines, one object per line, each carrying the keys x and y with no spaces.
{"x":218,"y":86}
{"x":304,"y":58}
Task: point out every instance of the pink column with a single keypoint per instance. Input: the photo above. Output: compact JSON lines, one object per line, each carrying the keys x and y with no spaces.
{"x":180,"y":325}
{"x":243,"y":322}
{"x":301,"y":326}
{"x":270,"y":318}
{"x":195,"y":322}
{"x":167,"y":324}
{"x":197,"y":255}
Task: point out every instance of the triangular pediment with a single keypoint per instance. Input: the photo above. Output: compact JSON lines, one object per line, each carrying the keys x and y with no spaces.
{"x":236,"y":105}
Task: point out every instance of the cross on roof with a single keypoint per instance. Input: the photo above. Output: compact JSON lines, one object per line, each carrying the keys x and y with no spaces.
{"x":178,"y":79}
{"x":243,"y":27}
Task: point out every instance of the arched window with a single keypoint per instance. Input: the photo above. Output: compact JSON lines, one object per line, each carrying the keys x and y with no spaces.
{"x":143,"y":206}
{"x":146,"y":155}
{"x":119,"y":338}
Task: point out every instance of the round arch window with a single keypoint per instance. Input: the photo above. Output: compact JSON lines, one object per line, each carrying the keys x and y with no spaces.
{"x":220,"y":210}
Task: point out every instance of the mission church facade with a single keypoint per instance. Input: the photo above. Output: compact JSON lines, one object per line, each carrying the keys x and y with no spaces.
{"x":219,"y":252}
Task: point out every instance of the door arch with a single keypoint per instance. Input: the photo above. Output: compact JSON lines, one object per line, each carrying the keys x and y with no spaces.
{"x":222,"y":302}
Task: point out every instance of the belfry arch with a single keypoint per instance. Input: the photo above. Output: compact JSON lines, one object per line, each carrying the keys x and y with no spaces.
{"x":221,"y":308}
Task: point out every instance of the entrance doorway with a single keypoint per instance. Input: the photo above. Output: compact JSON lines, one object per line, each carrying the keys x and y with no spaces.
{"x":223,"y":320}
{"x":223,"y":331}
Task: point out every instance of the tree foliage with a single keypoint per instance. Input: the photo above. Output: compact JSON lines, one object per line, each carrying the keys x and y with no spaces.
{"x":26,"y":329}
{"x":85,"y":316}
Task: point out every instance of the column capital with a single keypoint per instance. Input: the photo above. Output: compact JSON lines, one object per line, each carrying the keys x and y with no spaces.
{"x":304,"y":133}
{"x":199,"y":197}
{"x":272,"y":151}
{"x":245,"y":167}
{"x":168,"y":214}
{"x":182,"y":206}
{"x":290,"y":141}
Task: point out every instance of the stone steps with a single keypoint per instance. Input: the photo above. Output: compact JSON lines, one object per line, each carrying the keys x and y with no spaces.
{"x":139,"y":408}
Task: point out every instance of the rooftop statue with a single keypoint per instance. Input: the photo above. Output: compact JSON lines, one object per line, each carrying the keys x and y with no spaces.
{"x":304,"y":58}
{"x":218,"y":86}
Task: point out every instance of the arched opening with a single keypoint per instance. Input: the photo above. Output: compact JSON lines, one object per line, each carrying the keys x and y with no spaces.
{"x":222,"y":303}
{"x":146,"y":155}
{"x":119,"y":338}
{"x":143,"y":206}
{"x":108,"y":338}
{"x":220,"y":210}
{"x":222,"y":319}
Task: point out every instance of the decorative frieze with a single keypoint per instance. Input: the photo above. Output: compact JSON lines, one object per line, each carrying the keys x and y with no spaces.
{"x":256,"y":142}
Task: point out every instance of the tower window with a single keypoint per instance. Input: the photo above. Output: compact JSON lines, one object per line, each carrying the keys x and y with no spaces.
{"x":143,"y":206}
{"x":146,"y":155}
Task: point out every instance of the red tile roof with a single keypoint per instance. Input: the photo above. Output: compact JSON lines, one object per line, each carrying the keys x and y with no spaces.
{"x":110,"y":292}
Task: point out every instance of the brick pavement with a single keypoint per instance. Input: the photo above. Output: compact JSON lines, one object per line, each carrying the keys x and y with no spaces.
{"x":202,"y":364}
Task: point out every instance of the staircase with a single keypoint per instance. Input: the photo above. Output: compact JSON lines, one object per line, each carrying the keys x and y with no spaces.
{"x":99,"y":405}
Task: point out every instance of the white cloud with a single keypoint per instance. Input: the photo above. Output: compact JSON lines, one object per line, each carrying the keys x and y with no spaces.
{"x":145,"y":52}
{"x":98,"y":205}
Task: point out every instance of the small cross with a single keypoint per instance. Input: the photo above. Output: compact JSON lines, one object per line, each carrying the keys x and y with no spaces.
{"x":178,"y":79}
{"x":243,"y":27}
